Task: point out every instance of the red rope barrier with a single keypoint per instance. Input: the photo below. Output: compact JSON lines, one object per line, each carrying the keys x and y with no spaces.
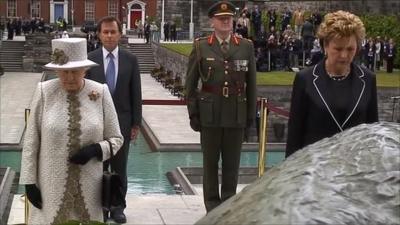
{"x":270,"y":106}
{"x":163,"y":102}
{"x":277,"y":110}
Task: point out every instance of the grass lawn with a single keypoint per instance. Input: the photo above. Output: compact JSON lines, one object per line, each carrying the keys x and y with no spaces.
{"x":286,"y":78}
{"x":183,"y":49}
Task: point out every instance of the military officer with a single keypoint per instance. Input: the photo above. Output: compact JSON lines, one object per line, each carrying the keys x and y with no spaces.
{"x":225,"y":103}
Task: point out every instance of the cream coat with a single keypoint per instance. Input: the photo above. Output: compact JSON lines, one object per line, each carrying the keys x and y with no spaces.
{"x":45,"y":155}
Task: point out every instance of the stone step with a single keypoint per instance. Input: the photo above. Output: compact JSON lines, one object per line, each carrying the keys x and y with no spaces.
{"x":10,"y":57}
{"x":145,"y":56}
{"x":4,"y":63}
{"x":12,"y":51}
{"x":145,"y":51}
{"x":12,"y":69}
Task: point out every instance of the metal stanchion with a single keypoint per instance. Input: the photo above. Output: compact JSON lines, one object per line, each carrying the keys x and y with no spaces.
{"x":25,"y":198}
{"x":27,"y":112}
{"x":269,"y":60}
{"x":263,"y":137}
{"x":26,"y":211}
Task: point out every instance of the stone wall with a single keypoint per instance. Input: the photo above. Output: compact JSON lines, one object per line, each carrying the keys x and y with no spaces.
{"x":279,"y":96}
{"x":170,"y":60}
{"x":37,"y":52}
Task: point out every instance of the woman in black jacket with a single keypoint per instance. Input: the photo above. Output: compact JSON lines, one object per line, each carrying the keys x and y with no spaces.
{"x":335,"y":94}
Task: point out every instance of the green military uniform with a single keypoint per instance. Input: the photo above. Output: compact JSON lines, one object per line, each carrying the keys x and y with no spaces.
{"x":221,"y":108}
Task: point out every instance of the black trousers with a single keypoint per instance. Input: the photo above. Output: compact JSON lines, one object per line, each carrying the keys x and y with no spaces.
{"x":119,"y":164}
{"x":390,"y":62}
{"x":216,"y":143}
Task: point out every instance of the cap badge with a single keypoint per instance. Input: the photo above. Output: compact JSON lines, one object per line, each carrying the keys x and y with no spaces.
{"x":224,"y":6}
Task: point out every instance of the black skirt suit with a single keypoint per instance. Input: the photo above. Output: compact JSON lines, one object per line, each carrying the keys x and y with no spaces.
{"x":322,"y":107}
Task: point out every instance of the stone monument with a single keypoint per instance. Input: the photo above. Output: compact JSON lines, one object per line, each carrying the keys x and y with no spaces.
{"x":350,"y":178}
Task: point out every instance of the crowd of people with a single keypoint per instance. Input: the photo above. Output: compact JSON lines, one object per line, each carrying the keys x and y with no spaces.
{"x":150,"y":31}
{"x":19,"y":26}
{"x":294,"y":42}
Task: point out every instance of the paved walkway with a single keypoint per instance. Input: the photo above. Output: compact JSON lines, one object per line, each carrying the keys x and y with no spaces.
{"x":169,"y":124}
{"x":16,"y":91}
{"x":143,"y":209}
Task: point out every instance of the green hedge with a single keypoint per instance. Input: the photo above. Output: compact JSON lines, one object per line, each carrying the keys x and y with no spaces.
{"x":384,"y":26}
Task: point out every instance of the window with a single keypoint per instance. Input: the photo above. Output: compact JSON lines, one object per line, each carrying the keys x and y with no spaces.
{"x":12,"y":8}
{"x":89,"y":10}
{"x":113,"y":8}
{"x":35,"y":8}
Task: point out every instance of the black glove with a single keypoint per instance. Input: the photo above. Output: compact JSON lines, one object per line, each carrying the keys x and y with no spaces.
{"x":86,"y":153}
{"x":195,"y":123}
{"x":34,"y":195}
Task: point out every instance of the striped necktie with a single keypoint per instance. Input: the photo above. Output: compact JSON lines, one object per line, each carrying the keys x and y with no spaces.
{"x":110,"y":73}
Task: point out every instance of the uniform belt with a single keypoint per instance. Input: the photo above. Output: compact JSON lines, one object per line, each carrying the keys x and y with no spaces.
{"x":223,"y":90}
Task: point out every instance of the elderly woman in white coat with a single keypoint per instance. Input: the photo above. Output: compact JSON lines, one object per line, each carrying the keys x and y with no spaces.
{"x":72,"y":127}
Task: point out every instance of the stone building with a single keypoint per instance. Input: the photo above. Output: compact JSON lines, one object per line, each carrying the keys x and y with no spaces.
{"x":77,"y":12}
{"x":129,"y":11}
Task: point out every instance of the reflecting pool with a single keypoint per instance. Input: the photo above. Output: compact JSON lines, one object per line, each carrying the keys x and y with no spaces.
{"x":147,"y":169}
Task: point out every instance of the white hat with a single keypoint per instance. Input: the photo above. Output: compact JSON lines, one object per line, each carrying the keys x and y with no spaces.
{"x":69,"y":53}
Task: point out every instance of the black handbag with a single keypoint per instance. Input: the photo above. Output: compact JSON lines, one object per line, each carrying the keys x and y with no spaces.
{"x":112,"y":191}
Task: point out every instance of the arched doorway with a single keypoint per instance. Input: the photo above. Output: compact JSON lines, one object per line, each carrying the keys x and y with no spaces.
{"x":136,"y":13}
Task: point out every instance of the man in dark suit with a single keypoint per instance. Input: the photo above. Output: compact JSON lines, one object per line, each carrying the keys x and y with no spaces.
{"x":226,"y":103}
{"x":120,"y":70}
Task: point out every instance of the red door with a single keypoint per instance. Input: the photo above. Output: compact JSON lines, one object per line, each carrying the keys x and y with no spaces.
{"x":135,"y":16}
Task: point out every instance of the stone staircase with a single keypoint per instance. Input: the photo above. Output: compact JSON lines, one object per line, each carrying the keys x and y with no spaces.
{"x":11,"y":53}
{"x":145,"y":56}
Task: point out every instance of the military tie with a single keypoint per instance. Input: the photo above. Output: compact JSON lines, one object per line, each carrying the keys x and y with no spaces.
{"x":110,"y":73}
{"x":224,"y":47}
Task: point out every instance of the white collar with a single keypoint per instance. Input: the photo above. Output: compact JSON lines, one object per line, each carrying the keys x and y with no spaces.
{"x":220,"y":40}
{"x":114,"y":52}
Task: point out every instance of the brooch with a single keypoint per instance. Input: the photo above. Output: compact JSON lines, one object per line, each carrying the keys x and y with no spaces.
{"x":94,"y":95}
{"x":59,"y":57}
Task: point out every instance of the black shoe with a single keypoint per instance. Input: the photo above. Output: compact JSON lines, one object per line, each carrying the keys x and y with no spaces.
{"x":118,"y":216}
{"x":105,"y":215}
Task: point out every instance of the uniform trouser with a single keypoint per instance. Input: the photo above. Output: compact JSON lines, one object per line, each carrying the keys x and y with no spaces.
{"x":216,"y":143}
{"x":119,"y":164}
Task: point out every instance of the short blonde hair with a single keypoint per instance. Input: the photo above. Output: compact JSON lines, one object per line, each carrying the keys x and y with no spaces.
{"x":341,"y":24}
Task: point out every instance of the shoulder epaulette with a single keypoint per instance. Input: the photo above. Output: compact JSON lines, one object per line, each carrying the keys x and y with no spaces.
{"x":200,"y":38}
{"x":235,"y":39}
{"x":210,"y":39}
